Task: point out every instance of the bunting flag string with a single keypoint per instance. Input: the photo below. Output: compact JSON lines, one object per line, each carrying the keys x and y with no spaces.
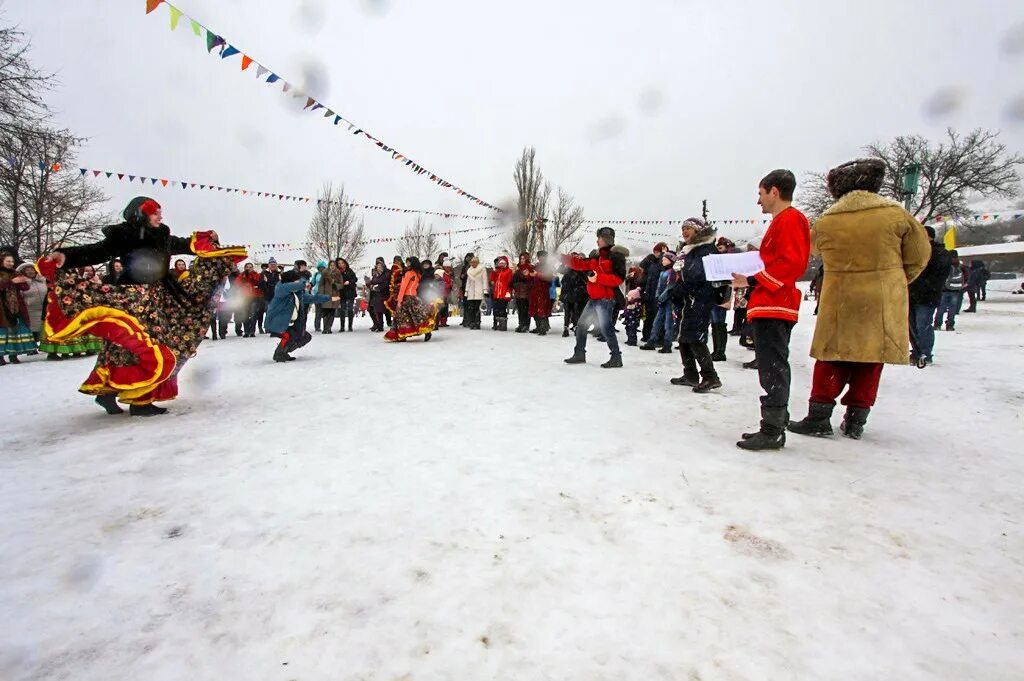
{"x":937,"y":220}
{"x":186,"y":184}
{"x":226,"y":50}
{"x":375,"y":240}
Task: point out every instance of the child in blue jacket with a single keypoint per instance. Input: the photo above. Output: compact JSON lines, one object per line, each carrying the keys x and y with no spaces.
{"x":284,"y":320}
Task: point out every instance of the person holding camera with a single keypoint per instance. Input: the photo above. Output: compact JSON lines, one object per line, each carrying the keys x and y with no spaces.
{"x":606,"y":270}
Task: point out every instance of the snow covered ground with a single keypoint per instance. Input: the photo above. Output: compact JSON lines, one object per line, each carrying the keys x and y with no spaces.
{"x":471,"y":508}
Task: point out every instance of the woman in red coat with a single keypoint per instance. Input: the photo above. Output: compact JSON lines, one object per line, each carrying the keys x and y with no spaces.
{"x":501,"y":292}
{"x":522,"y":280}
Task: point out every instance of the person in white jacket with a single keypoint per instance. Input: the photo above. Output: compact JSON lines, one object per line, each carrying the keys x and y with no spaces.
{"x":476,"y":288}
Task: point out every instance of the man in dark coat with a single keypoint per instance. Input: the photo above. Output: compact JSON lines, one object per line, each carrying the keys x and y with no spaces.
{"x":651,"y":265}
{"x":925,"y":294}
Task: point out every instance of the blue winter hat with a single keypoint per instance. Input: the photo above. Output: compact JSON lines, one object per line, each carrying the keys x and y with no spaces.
{"x":272,"y":261}
{"x":321,"y":265}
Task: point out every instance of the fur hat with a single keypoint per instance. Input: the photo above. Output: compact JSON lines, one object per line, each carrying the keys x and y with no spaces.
{"x":702,"y":230}
{"x":608,"y":234}
{"x":671,"y":255}
{"x":865,"y":174}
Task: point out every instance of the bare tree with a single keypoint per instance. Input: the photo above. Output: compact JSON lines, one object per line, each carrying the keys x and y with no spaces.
{"x":419,"y":241}
{"x":533,"y":196}
{"x":22,"y":86}
{"x":812,"y":195}
{"x":566,"y":223}
{"x":335,"y":231}
{"x":958,"y":170}
{"x":43,"y":202}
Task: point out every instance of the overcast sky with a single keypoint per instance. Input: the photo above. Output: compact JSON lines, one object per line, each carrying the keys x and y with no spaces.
{"x":639,"y":109}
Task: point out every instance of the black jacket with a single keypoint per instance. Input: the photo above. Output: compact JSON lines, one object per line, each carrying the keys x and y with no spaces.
{"x":379,"y":285}
{"x":268,"y":284}
{"x":348,"y":288}
{"x":652,"y":270}
{"x":927,"y":288}
{"x":144,"y":251}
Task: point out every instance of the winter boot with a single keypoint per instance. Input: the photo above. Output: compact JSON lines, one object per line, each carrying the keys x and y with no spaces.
{"x":109,"y":403}
{"x":950,"y":326}
{"x":709,"y":377}
{"x":280,"y":354}
{"x":719,"y":337}
{"x":536,"y":325}
{"x":752,"y":364}
{"x":13,"y":359}
{"x":502,"y":323}
{"x":817,"y":423}
{"x":649,"y":346}
{"x":577,"y":358}
{"x":427,"y":336}
{"x":350,"y":318}
{"x":145,"y":410}
{"x":565,"y":332}
{"x":772,"y":434}
{"x":853,"y":422}
{"x":614,"y":362}
{"x":690,"y":376}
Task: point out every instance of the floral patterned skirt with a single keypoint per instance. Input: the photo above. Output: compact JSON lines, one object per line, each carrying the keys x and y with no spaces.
{"x":148,"y":331}
{"x":414,"y":318}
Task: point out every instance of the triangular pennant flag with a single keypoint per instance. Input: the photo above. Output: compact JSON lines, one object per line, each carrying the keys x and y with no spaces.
{"x":193,"y":185}
{"x":328,"y":113}
{"x":120,"y":176}
{"x":309,"y":102}
{"x":184,"y":185}
{"x":96,"y":173}
{"x":152,"y":180}
{"x":202,"y":186}
{"x":196,"y":27}
{"x":212,"y":41}
{"x":260,"y":70}
{"x":287,"y":86}
{"x":246,"y":60}
{"x":109,"y":174}
{"x":316,"y":106}
{"x":229,"y":51}
{"x":152,"y":5}
{"x":175,"y":15}
{"x":163,"y":182}
{"x":83,"y":170}
{"x":131,"y":178}
{"x":336,"y":119}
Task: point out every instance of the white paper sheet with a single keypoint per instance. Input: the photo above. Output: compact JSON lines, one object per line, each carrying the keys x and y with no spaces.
{"x":721,"y":266}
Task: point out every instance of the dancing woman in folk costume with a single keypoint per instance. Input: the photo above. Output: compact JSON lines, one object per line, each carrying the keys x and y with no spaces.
{"x":414,"y":317}
{"x":152,"y":320}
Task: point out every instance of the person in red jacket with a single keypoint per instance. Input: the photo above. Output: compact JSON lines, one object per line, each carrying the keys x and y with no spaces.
{"x":775,"y":304}
{"x":522,"y":280}
{"x":606,"y":270}
{"x":501,"y":292}
{"x":248,"y":284}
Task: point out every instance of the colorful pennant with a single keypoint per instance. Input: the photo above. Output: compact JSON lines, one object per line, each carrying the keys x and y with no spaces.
{"x":228,"y":50}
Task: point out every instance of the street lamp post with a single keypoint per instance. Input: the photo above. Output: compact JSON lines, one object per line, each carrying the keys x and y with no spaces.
{"x":911,"y":179}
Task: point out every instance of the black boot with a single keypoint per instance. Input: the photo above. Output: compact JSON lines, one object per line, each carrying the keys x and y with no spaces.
{"x":719,"y":337}
{"x":614,"y":362}
{"x":350,"y":318}
{"x":13,"y":359}
{"x":853,"y":422}
{"x":542,"y":326}
{"x":281,"y":354}
{"x":565,"y":332}
{"x":145,"y":410}
{"x":649,"y":346}
{"x":536,"y":325}
{"x":709,"y":377}
{"x":772,"y":434}
{"x":577,"y":358}
{"x":752,"y":364}
{"x":427,"y":336}
{"x":690,"y":376}
{"x":502,"y":323}
{"x":109,"y":402}
{"x":817,"y":423}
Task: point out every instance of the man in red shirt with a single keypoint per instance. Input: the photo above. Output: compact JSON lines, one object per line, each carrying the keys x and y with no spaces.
{"x":775,"y":304}
{"x":606,"y":270}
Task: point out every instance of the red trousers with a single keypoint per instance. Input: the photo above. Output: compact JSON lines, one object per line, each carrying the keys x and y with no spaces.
{"x":831,"y":377}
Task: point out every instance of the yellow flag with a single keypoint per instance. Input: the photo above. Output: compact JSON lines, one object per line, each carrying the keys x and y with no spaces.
{"x":175,"y":15}
{"x":950,"y":238}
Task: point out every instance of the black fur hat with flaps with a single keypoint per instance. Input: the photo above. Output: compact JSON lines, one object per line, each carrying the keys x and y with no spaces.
{"x":864,"y":174}
{"x":608,"y":234}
